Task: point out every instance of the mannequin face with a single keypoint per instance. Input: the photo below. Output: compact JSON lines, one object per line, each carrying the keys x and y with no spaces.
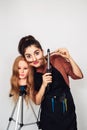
{"x":23,"y":69}
{"x":34,"y":56}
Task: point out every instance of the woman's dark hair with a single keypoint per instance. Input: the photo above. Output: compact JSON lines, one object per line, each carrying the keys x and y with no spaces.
{"x":26,"y":42}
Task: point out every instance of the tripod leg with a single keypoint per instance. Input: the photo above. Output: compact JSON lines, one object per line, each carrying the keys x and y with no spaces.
{"x":21,"y":116}
{"x":37,"y":118}
{"x":11,"y":118}
{"x":18,"y":112}
{"x":19,"y":104}
{"x":33,"y":110}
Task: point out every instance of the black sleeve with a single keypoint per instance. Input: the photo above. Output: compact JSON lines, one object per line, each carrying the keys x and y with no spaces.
{"x":37,"y":80}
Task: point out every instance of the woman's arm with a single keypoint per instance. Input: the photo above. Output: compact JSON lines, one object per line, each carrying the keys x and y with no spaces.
{"x":65,"y":53}
{"x":38,"y":96}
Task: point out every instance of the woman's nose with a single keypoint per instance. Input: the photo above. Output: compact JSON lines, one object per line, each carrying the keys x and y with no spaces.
{"x":34,"y":58}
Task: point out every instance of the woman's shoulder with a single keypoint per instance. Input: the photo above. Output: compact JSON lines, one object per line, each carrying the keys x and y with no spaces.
{"x":57,"y":58}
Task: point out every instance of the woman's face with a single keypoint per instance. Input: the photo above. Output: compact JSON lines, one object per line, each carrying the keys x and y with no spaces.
{"x":34,"y":56}
{"x":23,"y":69}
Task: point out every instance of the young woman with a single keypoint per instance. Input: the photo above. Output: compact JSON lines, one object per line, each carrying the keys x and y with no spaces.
{"x":57,"y":106}
{"x":21,"y":79}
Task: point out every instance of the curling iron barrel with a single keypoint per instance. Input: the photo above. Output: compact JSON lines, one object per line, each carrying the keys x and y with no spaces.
{"x":48,"y":60}
{"x":48,"y":68}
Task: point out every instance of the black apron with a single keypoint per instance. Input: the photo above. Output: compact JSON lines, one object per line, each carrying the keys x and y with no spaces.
{"x":57,"y":107}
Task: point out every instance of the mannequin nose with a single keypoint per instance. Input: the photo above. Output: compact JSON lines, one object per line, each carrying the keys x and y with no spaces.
{"x":22,"y":70}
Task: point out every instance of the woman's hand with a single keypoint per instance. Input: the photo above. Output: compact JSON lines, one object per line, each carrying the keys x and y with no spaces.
{"x":63,"y":52}
{"x":47,"y":78}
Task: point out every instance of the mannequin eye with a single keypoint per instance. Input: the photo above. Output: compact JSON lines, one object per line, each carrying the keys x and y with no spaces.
{"x":19,"y":68}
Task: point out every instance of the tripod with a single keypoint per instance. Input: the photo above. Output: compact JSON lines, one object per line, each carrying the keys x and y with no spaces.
{"x":19,"y":103}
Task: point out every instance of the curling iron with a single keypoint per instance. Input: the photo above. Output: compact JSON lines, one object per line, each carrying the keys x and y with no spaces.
{"x":48,"y":68}
{"x":48,"y":60}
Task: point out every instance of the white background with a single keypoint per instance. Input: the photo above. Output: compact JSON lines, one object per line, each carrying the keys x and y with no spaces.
{"x":55,"y":23}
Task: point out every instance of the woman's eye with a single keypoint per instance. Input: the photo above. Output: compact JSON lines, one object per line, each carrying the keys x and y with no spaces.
{"x":28,"y":56}
{"x":37,"y":53}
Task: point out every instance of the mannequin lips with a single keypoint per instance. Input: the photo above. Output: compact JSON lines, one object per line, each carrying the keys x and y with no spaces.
{"x":21,"y":74}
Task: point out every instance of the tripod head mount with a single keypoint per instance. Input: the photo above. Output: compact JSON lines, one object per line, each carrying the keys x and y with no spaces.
{"x":23,"y":90}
